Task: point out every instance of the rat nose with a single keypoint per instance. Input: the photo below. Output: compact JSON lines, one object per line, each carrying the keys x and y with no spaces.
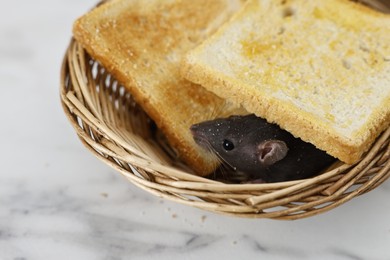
{"x":197,"y":132}
{"x":194,"y":129}
{"x":198,"y":136}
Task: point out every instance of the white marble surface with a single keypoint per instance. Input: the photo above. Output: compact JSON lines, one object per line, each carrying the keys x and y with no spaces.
{"x":57,"y":201}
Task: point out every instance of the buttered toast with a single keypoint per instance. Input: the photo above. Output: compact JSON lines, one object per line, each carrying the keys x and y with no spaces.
{"x":319,"y":69}
{"x":141,"y":43}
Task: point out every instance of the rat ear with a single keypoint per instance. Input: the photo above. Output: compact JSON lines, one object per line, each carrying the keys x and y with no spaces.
{"x":271,"y":151}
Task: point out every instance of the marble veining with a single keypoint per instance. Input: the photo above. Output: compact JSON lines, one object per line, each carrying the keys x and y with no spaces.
{"x":57,"y":201}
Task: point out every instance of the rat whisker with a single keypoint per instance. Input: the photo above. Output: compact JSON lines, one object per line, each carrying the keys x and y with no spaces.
{"x":212,"y":153}
{"x":225,"y":162}
{"x":217,"y":156}
{"x":224,"y":166}
{"x":214,"y":112}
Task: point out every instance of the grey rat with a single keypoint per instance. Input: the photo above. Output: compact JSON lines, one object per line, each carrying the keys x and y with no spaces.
{"x":261,"y":150}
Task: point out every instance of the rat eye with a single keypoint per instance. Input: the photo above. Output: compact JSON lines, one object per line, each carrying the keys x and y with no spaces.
{"x":228,"y":145}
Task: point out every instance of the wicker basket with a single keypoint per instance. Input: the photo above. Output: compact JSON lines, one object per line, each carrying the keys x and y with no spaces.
{"x":116,"y":130}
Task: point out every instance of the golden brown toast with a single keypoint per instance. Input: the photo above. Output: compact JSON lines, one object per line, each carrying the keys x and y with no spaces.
{"x":320,"y":69}
{"x":141,"y":43}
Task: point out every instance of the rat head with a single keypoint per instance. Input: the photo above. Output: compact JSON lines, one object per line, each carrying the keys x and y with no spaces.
{"x":246,"y":143}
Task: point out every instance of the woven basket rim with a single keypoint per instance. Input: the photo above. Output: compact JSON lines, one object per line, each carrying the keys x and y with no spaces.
{"x":93,"y":104}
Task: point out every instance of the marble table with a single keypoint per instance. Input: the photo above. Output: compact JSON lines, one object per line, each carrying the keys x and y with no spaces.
{"x":57,"y":201}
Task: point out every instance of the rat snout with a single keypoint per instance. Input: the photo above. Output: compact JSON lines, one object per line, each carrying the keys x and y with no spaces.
{"x":196,"y":133}
{"x":199,"y":136}
{"x":194,"y":129}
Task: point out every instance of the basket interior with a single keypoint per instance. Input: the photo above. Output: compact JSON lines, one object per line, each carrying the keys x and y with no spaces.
{"x":116,"y":130}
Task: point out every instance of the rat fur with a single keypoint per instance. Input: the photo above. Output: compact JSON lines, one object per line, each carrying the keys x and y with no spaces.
{"x":259,"y":150}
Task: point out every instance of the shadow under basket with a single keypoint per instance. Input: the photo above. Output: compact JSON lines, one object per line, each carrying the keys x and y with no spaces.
{"x":116,"y":130}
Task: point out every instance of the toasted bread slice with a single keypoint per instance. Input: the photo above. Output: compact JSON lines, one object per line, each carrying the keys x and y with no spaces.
{"x":141,"y":43}
{"x":319,"y":69}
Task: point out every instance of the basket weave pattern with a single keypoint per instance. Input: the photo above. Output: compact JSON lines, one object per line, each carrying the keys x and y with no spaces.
{"x":116,"y":130}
